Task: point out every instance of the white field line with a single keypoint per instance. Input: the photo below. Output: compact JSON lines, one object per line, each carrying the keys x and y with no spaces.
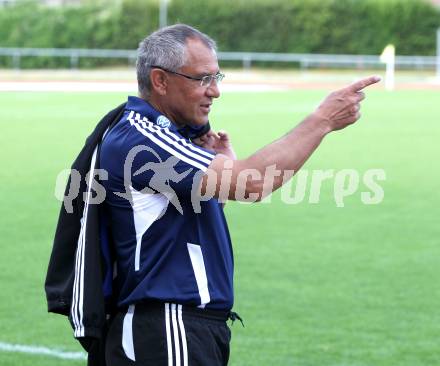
{"x":127,"y":87}
{"x":67,"y":86}
{"x":37,"y":350}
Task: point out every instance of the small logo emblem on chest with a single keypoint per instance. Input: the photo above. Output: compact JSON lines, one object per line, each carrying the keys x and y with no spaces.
{"x":162,"y":121}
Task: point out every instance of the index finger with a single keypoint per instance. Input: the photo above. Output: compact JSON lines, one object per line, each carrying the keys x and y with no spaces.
{"x":363,"y":83}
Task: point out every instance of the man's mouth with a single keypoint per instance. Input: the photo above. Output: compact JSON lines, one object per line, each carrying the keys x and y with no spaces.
{"x":206,"y":107}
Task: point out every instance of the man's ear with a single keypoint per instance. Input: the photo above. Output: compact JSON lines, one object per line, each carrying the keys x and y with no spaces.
{"x":159,"y":81}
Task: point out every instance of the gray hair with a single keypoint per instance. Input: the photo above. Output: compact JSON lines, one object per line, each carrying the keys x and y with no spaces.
{"x":166,"y":48}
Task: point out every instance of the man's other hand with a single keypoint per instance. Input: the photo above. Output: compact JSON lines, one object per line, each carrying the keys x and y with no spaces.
{"x":218,"y":142}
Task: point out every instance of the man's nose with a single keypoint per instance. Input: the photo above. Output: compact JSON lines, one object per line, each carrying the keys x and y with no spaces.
{"x":213,"y":90}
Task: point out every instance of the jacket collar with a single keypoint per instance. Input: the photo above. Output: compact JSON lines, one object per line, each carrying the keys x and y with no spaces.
{"x":145,"y":109}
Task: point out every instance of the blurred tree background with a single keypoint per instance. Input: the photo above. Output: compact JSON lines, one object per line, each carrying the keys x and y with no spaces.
{"x":299,"y":26}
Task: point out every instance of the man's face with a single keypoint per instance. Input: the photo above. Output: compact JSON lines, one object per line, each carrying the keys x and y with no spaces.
{"x":188,"y":101}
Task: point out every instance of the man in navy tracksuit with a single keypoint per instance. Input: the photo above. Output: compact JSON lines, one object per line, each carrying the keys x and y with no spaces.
{"x":173,"y":278}
{"x":174,"y":260}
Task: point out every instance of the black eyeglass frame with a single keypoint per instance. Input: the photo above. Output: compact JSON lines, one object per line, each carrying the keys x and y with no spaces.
{"x":204,"y":80}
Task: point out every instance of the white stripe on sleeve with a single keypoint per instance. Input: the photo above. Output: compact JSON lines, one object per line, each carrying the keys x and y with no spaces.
{"x":171,"y":146}
{"x":78,"y":287}
{"x":173,"y":143}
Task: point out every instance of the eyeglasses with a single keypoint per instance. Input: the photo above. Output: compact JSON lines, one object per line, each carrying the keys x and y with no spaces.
{"x":205,"y":81}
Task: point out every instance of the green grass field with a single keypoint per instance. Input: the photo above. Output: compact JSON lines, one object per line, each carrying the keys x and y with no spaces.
{"x":316,"y":284}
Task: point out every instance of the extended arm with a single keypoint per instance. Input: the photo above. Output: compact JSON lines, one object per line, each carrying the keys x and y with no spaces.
{"x":263,"y":172}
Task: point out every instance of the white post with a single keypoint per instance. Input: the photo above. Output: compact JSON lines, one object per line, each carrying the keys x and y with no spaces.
{"x":438,"y":54}
{"x":389,"y":76}
{"x":163,"y":13}
{"x":388,"y":58}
